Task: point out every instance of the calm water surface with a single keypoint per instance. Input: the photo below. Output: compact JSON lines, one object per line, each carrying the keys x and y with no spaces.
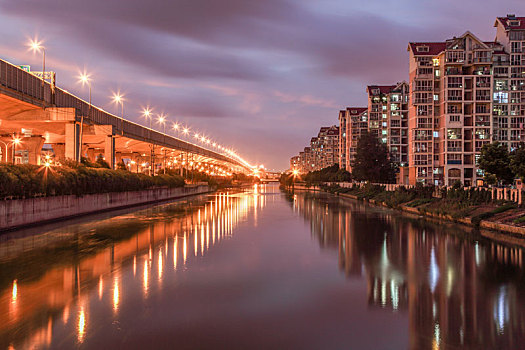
{"x":259,"y":270}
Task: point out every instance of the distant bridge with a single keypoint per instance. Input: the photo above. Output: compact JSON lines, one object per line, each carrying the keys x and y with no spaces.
{"x":40,"y":113}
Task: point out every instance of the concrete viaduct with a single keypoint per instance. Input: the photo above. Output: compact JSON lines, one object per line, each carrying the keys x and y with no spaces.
{"x":38,"y":113}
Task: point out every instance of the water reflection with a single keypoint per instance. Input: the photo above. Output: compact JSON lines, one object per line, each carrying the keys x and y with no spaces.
{"x":458,"y":289}
{"x":74,"y":270}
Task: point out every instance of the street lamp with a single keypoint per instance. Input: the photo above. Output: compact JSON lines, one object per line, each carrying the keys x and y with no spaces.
{"x":84,"y":79}
{"x":146,"y":113}
{"x":295,"y":172}
{"x":36,"y":46}
{"x":162,"y":120}
{"x":118,"y":98}
{"x":15,"y":141}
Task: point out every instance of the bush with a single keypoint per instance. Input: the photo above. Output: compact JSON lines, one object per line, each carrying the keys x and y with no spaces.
{"x":31,"y":180}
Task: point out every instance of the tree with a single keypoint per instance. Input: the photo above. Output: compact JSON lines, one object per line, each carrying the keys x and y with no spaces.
{"x":371,"y":161}
{"x":329,"y":174}
{"x":495,"y":160}
{"x":517,"y":162}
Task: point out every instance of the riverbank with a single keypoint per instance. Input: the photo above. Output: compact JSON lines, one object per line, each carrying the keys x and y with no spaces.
{"x":19,"y":213}
{"x":471,"y":209}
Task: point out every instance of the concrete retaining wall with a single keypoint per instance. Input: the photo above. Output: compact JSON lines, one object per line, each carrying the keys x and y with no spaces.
{"x":22,"y":212}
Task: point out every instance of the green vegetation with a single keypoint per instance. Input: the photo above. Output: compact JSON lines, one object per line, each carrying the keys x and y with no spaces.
{"x":495,"y":162}
{"x":484,"y":216}
{"x":24,"y":181}
{"x":371,"y":161}
{"x":455,"y":202}
{"x":330,"y":174}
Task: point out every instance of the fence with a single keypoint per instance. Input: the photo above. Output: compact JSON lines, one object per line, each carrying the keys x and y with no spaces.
{"x":508,"y":194}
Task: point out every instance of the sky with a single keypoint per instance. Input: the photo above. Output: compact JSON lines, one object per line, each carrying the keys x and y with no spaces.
{"x":259,"y":76}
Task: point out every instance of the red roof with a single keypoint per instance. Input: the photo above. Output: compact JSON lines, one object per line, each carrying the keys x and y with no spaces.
{"x":383,"y":89}
{"x":505,"y":21}
{"x":433,"y":48}
{"x":356,"y":110}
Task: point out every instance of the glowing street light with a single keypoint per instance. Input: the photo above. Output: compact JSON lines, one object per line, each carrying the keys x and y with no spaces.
{"x":118,"y":98}
{"x":186,"y":131}
{"x":16,"y":142}
{"x":146,"y":113}
{"x":36,"y":46}
{"x":84,"y":79}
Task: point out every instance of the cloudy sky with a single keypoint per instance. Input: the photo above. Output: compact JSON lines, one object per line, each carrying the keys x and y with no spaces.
{"x":260,"y":76}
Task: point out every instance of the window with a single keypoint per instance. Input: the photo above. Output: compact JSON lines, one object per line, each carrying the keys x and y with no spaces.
{"x":500,"y":97}
{"x":436,"y":97}
{"x":422,"y":48}
{"x":455,"y":56}
{"x":501,"y":85}
{"x":424,"y":71}
{"x":423,"y":85}
{"x":454,"y":134}
{"x":483,"y":82}
{"x":454,"y":95}
{"x":515,"y":60}
{"x":455,"y":82}
{"x":515,"y":47}
{"x":454,"y":118}
{"x":454,"y":146}
{"x":482,"y":95}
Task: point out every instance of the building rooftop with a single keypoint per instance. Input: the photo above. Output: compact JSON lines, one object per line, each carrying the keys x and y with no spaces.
{"x":427,"y":49}
{"x":356,"y":110}
{"x":511,"y":22}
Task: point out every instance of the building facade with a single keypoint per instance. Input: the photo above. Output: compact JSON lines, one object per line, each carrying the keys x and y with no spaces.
{"x":355,"y":122}
{"x":323,"y":151}
{"x":388,"y":118}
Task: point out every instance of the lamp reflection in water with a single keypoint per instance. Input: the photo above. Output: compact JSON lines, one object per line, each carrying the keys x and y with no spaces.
{"x":145,"y":277}
{"x":100,"y":287}
{"x":175,"y":256}
{"x":81,"y":325}
{"x":215,"y":220}
{"x":160,"y":264}
{"x":116,"y":294}
{"x":14,"y":293}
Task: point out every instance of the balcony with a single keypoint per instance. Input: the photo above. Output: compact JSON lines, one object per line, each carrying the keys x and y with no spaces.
{"x":454,"y":162}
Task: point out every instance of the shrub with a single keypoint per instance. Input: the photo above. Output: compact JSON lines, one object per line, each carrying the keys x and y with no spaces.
{"x":31,"y":180}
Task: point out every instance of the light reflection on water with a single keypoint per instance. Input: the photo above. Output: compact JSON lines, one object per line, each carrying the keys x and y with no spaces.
{"x":443,"y":286}
{"x":163,"y":232}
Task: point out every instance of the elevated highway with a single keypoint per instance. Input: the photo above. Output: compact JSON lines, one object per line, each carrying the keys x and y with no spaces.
{"x":42,"y":115}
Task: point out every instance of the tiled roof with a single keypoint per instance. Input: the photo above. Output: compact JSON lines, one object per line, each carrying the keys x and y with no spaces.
{"x":356,"y":110}
{"x":383,"y":89}
{"x":505,"y":21}
{"x":433,"y":48}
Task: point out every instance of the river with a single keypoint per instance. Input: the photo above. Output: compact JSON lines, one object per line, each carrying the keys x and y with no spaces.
{"x":258,"y":269}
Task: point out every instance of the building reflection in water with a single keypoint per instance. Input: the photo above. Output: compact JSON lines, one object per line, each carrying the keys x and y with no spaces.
{"x":53,"y":273}
{"x":459,"y":289}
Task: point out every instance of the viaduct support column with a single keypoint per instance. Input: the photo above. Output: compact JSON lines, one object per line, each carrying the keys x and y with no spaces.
{"x":72,"y":141}
{"x":33,"y":145}
{"x":109,"y":150}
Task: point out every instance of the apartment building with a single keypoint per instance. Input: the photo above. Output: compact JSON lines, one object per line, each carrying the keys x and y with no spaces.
{"x":323,"y":151}
{"x":465,"y":93}
{"x":354,"y":122}
{"x":388,"y":118}
{"x":450,"y":109}
{"x":508,"y":109}
{"x":295,"y":162}
{"x":343,"y":152}
{"x":328,"y":146}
